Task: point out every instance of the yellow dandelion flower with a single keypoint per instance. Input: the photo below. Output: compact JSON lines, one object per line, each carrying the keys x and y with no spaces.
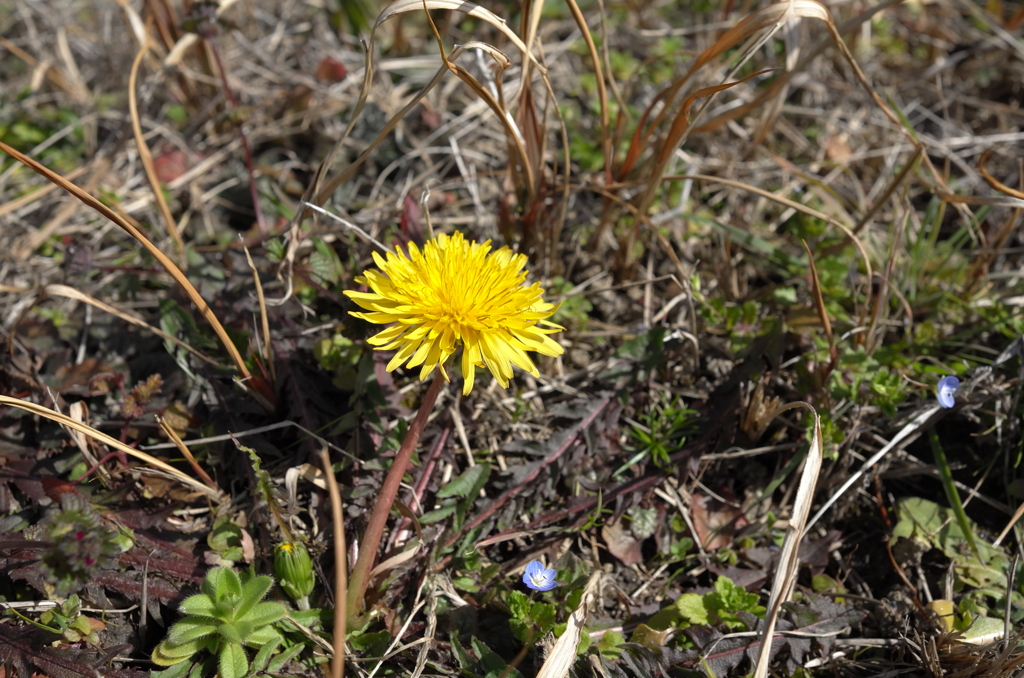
{"x":456,"y":292}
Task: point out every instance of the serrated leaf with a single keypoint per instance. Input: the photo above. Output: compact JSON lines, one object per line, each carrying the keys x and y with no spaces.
{"x":518,"y":604}
{"x":232,"y":661}
{"x":691,"y":608}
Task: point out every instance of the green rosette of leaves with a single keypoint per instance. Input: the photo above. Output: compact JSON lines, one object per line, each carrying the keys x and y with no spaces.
{"x":227,"y":617}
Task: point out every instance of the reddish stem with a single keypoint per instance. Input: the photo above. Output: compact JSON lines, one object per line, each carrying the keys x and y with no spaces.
{"x":386,"y":499}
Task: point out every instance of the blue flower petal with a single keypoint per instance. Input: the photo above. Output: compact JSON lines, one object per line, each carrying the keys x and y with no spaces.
{"x":945,"y":390}
{"x":539,"y":579}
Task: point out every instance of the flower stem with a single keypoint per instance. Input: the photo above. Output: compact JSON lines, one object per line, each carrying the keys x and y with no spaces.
{"x":388,"y":491}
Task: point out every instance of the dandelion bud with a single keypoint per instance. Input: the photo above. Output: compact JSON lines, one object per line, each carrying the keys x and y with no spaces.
{"x":294,"y":569}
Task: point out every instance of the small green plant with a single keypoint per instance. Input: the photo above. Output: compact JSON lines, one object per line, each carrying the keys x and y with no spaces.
{"x":227,"y":617}
{"x":720,"y":606}
{"x":74,"y":626}
{"x":80,"y":544}
{"x":531,"y":619}
{"x":661,"y":431}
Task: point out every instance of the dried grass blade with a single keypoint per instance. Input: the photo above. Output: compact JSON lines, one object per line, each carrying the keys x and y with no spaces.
{"x":819,"y":303}
{"x":675,"y":137}
{"x":147,"y":158}
{"x":156,"y":252}
{"x":789,"y":559}
{"x":320,"y":189}
{"x":72,"y":293}
{"x":173,"y":436}
{"x":510,"y":129}
{"x":909,"y":167}
{"x":67,"y":421}
{"x":395,"y":561}
{"x":268,"y":348}
{"x":469,"y":8}
{"x":794,"y":205}
{"x":992,"y":181}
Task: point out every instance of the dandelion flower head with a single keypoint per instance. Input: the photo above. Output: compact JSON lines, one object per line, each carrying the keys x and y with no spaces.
{"x":539,"y":579}
{"x":945,"y":391}
{"x":455,"y":292}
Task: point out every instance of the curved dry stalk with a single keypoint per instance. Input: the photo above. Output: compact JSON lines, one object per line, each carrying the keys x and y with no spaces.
{"x":147,"y":158}
{"x":99,"y":436}
{"x":156,"y":252}
{"x":448,"y":66}
{"x":320,"y":190}
{"x":173,"y":436}
{"x":789,"y":558}
{"x":991,"y":180}
{"x":72,"y":293}
{"x":850,"y":235}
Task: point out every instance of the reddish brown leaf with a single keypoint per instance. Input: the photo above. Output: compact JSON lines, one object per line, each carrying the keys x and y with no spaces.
{"x":716,"y":522}
{"x":621,"y":543}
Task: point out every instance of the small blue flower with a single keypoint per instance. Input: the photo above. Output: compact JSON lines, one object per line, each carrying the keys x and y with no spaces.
{"x":946,"y":389}
{"x":539,"y":579}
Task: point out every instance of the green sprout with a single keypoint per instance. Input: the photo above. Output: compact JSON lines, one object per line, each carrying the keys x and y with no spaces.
{"x":225,"y":618}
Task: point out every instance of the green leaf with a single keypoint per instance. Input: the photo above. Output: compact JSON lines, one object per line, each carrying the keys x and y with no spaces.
{"x":324,"y":264}
{"x":609,"y":645}
{"x":518,"y":604}
{"x":437,"y":514}
{"x":262,"y":636}
{"x":492,"y":663}
{"x":233,"y":663}
{"x":265,"y":613}
{"x":199,"y":605}
{"x":232,"y":633}
{"x":472,"y":494}
{"x":191,"y":628}
{"x":166,"y":655}
{"x":691,"y":608}
{"x":252,"y":593}
{"x":278,"y":663}
{"x":177,"y":670}
{"x":224,"y":535}
{"x":221,"y":582}
{"x":263,"y":657}
{"x":310,"y":618}
{"x":464,"y":483}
